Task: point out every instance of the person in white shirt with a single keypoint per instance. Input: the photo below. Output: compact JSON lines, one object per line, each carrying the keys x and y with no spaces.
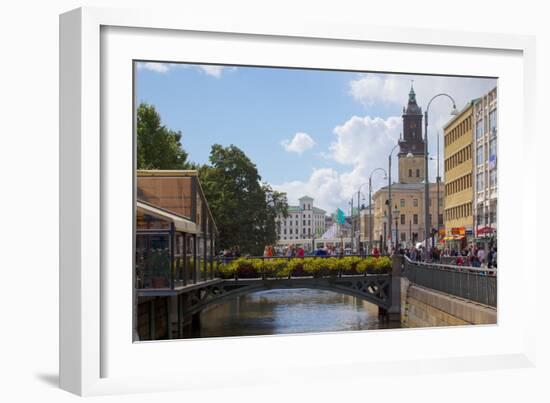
{"x":481,"y":256}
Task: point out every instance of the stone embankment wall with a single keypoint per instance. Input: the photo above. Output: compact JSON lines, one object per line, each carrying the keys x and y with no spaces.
{"x":422,"y":307}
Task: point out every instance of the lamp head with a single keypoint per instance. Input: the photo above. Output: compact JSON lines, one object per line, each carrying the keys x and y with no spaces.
{"x":454,"y":111}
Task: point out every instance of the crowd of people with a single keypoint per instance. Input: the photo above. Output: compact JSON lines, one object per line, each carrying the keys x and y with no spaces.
{"x":473,"y":256}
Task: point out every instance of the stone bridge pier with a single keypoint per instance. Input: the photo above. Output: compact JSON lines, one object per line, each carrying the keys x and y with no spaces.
{"x":393,"y":313}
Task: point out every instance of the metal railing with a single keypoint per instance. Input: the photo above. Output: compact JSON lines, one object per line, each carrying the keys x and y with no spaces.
{"x":471,"y":283}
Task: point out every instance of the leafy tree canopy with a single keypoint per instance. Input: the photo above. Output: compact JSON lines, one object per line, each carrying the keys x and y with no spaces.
{"x":157,"y":146}
{"x":244,"y":208}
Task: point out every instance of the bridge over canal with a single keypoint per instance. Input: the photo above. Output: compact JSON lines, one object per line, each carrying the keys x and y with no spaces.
{"x":406,"y":290}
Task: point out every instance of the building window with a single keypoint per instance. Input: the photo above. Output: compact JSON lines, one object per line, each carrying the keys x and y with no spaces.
{"x":440,"y":219}
{"x":290,"y":231}
{"x":284,"y":231}
{"x":492,"y":147}
{"x":415,"y":219}
{"x":493,"y":121}
{"x":403,"y":237}
{"x":418,"y":173}
{"x":410,"y":173}
{"x":479,"y":155}
{"x":402,"y":219}
{"x":304,"y":222}
{"x":493,"y":178}
{"x":479,"y":129}
{"x":402,"y":202}
{"x":303,"y":231}
{"x":415,"y":202}
{"x":479,"y":182}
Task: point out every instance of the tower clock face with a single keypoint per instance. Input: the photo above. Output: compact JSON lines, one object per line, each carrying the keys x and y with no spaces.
{"x":413,"y":125}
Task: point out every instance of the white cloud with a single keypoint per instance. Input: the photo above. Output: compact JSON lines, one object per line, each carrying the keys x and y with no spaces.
{"x":299,"y":143}
{"x":162,"y":68}
{"x":214,"y":71}
{"x":156,"y":67}
{"x":362,"y":142}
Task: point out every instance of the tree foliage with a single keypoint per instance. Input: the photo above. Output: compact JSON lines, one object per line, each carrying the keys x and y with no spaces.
{"x":244,"y":208}
{"x":157,"y":146}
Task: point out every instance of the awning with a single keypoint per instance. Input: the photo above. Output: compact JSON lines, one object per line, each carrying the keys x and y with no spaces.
{"x":485,"y":230}
{"x":182,"y":224}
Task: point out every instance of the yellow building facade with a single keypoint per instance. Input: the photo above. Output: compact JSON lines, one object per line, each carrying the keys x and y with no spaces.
{"x":458,"y":168}
{"x":408,"y":200}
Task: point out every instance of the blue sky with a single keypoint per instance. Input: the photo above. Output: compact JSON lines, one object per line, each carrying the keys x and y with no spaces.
{"x":308,"y":131}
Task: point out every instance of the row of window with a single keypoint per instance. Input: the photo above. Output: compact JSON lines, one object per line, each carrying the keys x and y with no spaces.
{"x":414,"y":219}
{"x":458,"y":185}
{"x":490,"y":125}
{"x":402,"y":202}
{"x":458,"y":131}
{"x":297,"y":232}
{"x":453,"y":213}
{"x":486,"y":215}
{"x":417,"y":173}
{"x":480,"y":179}
{"x":483,"y":155}
{"x":458,"y":158}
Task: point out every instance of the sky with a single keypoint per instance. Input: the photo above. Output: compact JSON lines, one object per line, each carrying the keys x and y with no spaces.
{"x":310,"y":132}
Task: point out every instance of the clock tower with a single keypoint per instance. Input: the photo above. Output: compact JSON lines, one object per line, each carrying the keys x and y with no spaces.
{"x":411,"y":144}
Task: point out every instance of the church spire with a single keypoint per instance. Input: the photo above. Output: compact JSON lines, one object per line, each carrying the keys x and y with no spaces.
{"x":412,"y":94}
{"x":412,"y":107}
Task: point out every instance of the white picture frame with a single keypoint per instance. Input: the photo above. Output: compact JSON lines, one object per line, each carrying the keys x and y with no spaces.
{"x":96,"y":352}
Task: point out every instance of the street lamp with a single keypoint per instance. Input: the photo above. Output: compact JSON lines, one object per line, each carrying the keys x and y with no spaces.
{"x":370,"y":203}
{"x":409,"y":155}
{"x":396,"y":212}
{"x":427,"y":223}
{"x":359,"y":212}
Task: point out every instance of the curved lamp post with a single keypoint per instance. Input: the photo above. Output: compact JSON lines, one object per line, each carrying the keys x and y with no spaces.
{"x":409,"y":155}
{"x":370,"y":203}
{"x":427,"y":223}
{"x":359,"y":213}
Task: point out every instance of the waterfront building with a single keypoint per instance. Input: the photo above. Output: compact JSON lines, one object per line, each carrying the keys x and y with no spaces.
{"x":485,"y":168}
{"x":174,"y":247}
{"x":304,"y":221}
{"x":458,"y":168}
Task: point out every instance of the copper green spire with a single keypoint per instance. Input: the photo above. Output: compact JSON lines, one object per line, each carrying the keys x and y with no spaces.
{"x":412,"y":95}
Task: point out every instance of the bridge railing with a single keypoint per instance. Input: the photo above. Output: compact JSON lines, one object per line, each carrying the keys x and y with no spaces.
{"x":471,"y":283}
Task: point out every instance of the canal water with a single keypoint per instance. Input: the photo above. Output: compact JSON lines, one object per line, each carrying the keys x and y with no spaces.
{"x":290,"y":311}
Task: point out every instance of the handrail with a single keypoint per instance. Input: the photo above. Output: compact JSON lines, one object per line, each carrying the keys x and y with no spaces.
{"x":451,"y":267}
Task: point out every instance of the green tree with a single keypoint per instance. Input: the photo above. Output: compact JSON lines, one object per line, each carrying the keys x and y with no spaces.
{"x":157,"y":146}
{"x":243,"y":207}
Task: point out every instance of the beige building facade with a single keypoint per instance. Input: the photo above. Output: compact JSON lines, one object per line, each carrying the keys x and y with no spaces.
{"x":408,"y":201}
{"x":458,"y":168}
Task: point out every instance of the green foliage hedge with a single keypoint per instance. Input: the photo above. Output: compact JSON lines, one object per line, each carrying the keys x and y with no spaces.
{"x":299,"y":267}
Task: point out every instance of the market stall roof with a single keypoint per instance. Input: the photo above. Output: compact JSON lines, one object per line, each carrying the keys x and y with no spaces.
{"x":485,"y":230}
{"x":182,"y":224}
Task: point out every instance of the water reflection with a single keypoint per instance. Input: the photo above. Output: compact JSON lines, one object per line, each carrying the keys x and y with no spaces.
{"x":289,"y":311}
